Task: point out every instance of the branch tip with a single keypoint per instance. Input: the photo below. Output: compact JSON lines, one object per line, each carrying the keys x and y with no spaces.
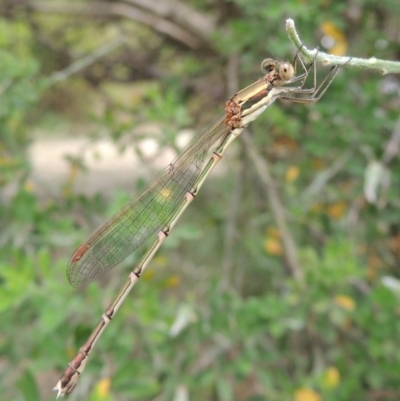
{"x":381,"y":66}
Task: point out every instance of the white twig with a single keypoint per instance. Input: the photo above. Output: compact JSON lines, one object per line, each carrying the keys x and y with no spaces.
{"x":374,"y":64}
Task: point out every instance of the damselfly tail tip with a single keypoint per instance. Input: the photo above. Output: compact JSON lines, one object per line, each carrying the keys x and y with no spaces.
{"x":58,"y":389}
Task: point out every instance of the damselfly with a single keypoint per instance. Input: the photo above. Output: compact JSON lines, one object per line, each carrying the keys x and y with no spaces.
{"x":158,"y":207}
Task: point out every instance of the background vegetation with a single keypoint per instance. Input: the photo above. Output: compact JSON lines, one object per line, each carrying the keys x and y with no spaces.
{"x":218,"y":315}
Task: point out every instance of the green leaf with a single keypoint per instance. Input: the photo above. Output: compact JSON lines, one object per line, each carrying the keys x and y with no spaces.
{"x":28,"y":387}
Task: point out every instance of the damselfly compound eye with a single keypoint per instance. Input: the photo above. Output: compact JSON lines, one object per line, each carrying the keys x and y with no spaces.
{"x":286,"y":71}
{"x":268,"y":65}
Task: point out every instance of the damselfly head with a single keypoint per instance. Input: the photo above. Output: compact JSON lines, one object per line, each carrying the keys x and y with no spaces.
{"x":284,"y":69}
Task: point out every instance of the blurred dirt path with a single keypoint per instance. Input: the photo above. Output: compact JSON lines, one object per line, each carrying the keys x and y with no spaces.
{"x":107,"y":168}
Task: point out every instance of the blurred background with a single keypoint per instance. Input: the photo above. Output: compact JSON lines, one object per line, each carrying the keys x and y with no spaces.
{"x":95,"y":98}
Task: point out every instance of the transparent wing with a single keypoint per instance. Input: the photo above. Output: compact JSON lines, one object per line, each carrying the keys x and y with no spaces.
{"x":144,"y":214}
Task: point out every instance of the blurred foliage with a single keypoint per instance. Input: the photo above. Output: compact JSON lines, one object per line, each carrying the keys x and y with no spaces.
{"x":216,"y":315}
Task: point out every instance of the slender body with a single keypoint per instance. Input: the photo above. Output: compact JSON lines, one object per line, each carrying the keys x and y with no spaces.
{"x":162,"y":202}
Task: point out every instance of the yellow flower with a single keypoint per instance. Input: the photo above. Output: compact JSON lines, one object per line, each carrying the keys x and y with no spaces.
{"x":336,"y":210}
{"x":331,"y":377}
{"x":345,"y":302}
{"x":330,"y":29}
{"x":273,"y":246}
{"x":148,"y":274}
{"x":172,"y":281}
{"x":306,"y":394}
{"x":103,"y":388}
{"x":292,"y":173}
